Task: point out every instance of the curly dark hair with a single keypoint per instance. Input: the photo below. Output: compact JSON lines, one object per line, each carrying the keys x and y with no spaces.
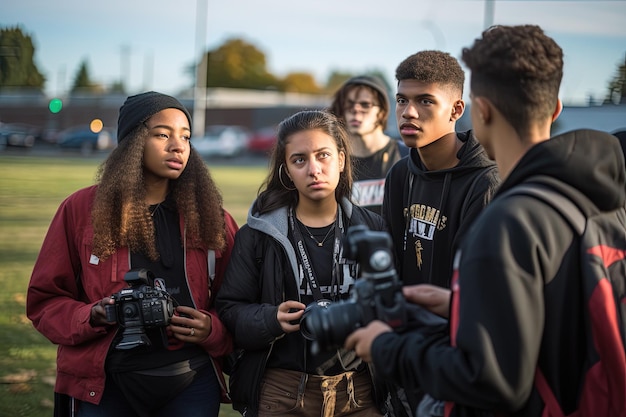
{"x":519,"y":69}
{"x":121,"y":216}
{"x":273,"y":193}
{"x":433,"y":67}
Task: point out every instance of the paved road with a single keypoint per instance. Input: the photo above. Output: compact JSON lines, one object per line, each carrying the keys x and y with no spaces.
{"x":47,"y":149}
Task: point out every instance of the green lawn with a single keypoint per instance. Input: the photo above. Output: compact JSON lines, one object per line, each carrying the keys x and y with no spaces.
{"x":31,"y":188}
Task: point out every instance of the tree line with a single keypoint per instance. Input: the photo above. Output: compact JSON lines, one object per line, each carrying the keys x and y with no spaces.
{"x":234,"y":64}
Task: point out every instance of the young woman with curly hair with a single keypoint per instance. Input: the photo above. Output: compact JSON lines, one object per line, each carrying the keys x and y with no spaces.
{"x":154,"y":218}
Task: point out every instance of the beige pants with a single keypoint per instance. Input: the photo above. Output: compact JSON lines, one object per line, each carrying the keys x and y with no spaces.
{"x":291,"y":393}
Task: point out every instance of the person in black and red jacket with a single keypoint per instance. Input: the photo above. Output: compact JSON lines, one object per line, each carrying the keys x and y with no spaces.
{"x":515,"y":304}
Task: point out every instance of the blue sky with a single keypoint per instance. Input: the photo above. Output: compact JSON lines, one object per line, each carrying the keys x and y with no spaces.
{"x":150,"y":43}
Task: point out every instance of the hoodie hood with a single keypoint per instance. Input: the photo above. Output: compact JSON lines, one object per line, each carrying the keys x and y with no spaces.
{"x":276,"y":225}
{"x":471,"y":156}
{"x":588,"y":161}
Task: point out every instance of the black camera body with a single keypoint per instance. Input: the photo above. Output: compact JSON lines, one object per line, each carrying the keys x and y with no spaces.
{"x":139,"y":307}
{"x":377,"y":295}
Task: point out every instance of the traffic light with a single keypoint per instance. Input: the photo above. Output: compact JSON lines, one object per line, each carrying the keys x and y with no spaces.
{"x":55,"y":105}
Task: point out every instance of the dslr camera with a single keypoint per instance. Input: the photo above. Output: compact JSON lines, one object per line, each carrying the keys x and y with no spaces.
{"x":377,"y":295}
{"x":140,"y":307}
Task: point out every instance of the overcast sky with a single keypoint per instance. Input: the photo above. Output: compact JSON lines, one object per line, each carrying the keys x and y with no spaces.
{"x":150,"y":43}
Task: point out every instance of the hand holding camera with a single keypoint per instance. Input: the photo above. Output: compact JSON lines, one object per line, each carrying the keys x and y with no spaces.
{"x":289,"y":314}
{"x":190,"y":325}
{"x":98,"y":313}
{"x":377,"y":296}
{"x":139,"y":307}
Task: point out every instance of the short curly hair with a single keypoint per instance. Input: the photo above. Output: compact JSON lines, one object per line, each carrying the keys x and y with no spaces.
{"x":433,"y":67}
{"x":519,"y":69}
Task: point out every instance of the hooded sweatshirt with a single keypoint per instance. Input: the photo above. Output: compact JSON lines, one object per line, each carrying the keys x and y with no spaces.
{"x":263,"y":273}
{"x":516,"y":304}
{"x":428,"y":212}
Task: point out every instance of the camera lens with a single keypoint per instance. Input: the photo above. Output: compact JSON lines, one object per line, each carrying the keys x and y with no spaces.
{"x":330,"y":326}
{"x":130,"y":311}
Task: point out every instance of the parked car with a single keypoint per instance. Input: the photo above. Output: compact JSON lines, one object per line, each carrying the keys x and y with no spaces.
{"x":87,"y":141}
{"x":222,"y":141}
{"x":18,"y":134}
{"x":262,"y":140}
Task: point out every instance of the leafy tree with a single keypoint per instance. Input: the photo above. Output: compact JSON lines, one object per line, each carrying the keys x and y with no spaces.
{"x":617,"y":86}
{"x":238,"y":64}
{"x":337,"y":78}
{"x":17,"y":65}
{"x":300,"y":82}
{"x":118,"y":87}
{"x":83,"y":82}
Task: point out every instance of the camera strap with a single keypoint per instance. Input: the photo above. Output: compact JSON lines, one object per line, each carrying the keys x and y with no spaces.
{"x":304,"y":258}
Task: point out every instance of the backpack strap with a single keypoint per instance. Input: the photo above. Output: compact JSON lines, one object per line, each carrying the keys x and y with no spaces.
{"x":558,"y":201}
{"x":211,"y":262}
{"x":547,"y":395}
{"x":572,"y":214}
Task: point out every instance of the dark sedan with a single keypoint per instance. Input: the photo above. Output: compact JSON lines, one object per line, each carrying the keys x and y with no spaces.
{"x":86,"y":140}
{"x":18,"y":134}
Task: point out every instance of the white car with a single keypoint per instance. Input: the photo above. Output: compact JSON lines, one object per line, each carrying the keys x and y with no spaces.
{"x":222,"y":141}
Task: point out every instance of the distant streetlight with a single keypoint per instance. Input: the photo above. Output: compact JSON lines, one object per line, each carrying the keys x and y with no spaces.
{"x":125,"y":67}
{"x":199,"y":92}
{"x":490,"y":6}
{"x":148,"y":71}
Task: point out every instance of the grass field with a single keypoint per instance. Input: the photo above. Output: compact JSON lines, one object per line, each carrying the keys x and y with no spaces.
{"x":31,"y":188}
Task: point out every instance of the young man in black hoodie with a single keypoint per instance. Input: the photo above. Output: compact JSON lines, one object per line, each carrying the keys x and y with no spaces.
{"x":516,"y":304}
{"x":433,"y":194}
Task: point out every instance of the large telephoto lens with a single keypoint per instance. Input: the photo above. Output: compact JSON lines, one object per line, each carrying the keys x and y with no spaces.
{"x":330,"y":326}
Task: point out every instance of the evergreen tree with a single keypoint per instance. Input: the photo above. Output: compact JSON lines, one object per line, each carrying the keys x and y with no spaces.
{"x":83,"y":82}
{"x":17,"y":65}
{"x":617,"y":86}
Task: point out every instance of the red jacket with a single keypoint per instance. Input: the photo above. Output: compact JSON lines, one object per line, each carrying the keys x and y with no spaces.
{"x":60,"y":308}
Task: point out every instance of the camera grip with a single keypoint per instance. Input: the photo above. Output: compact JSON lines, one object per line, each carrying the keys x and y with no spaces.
{"x":111,"y":313}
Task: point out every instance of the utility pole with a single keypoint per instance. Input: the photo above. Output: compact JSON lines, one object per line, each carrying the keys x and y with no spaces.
{"x":490,"y":6}
{"x":125,"y":67}
{"x":148,"y":71}
{"x":199,"y":92}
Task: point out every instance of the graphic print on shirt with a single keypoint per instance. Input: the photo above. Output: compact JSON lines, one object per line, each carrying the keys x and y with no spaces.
{"x":423,"y":222}
{"x":346,"y":280}
{"x":418,"y":253}
{"x":369,"y":192}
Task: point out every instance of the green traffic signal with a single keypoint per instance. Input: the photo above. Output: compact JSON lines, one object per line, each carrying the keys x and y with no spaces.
{"x":55,"y":105}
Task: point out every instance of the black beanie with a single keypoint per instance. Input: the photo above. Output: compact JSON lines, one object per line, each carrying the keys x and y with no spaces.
{"x":372,"y":82}
{"x":139,"y":108}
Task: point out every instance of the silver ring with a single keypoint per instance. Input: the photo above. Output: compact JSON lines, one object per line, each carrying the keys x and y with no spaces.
{"x":193,"y":332}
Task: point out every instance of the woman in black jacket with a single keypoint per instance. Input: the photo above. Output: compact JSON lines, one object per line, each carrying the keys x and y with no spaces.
{"x":289,"y":255}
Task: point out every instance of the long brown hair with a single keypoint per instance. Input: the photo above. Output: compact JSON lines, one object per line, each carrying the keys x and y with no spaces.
{"x":277,"y":190}
{"x":121,"y":217}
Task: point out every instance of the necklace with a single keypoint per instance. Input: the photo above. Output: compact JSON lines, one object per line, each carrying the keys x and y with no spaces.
{"x":155,"y":209}
{"x":320,"y":244}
